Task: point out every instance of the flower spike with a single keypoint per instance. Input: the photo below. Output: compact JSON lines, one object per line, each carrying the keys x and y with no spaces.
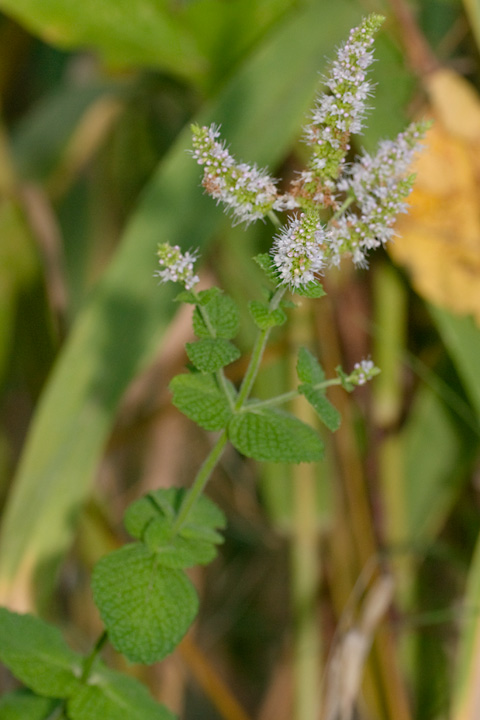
{"x":250,"y":193}
{"x":337,"y":114}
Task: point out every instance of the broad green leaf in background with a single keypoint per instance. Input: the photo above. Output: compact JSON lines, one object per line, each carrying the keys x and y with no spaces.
{"x":432,"y":479}
{"x":117,"y":334}
{"x":153,"y":605}
{"x":124,"y":33}
{"x":23,"y":304}
{"x":200,"y":41}
{"x":462,"y":339}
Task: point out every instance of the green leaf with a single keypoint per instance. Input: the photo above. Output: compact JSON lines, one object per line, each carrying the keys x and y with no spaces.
{"x":309,"y":369}
{"x":111,"y":695}
{"x":186,"y":296}
{"x":147,"y":608}
{"x":223,"y":318}
{"x":265,"y":318}
{"x":178,"y":551}
{"x":166,"y":503}
{"x":327,"y":413}
{"x":431,"y":482}
{"x":37,"y":654}
{"x":312,"y":290}
{"x":199,"y":398}
{"x":211,"y":354}
{"x":152,"y":519}
{"x":205,"y":296}
{"x":264,"y":260}
{"x":276,"y":436}
{"x":25,"y":705}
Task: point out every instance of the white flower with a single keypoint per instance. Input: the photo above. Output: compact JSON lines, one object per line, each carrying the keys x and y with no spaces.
{"x":363,"y":371}
{"x":176,"y":266}
{"x":340,"y":113}
{"x":299,"y":250}
{"x":380,"y":186}
{"x":248,"y":192}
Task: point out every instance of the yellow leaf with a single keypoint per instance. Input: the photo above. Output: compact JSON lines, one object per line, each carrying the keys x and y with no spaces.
{"x":439,"y":241}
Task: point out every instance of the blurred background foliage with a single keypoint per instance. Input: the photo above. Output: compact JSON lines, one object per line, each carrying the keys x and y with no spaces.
{"x":96,"y":102}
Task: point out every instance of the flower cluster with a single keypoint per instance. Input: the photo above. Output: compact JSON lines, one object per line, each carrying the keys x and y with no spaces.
{"x":176,"y":266}
{"x":363,"y":371}
{"x":248,"y":192}
{"x":379,"y":187}
{"x":363,"y":199}
{"x":337,"y":114}
{"x":299,"y":249}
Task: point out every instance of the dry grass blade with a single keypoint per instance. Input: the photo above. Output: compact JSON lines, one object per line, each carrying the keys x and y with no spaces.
{"x":345,"y":670}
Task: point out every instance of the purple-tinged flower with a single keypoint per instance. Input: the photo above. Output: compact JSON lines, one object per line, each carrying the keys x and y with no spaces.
{"x":248,"y":192}
{"x":176,"y":266}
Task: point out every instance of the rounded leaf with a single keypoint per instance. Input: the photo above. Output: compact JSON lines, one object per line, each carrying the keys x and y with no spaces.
{"x":146,"y":607}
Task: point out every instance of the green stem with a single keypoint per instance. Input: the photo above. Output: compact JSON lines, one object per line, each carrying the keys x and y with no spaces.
{"x":58,"y":713}
{"x":200,"y":481}
{"x":273,"y":217}
{"x":292,"y":394}
{"x":90,"y":659}
{"x":346,"y":204}
{"x":257,"y":354}
{"x":205,"y":471}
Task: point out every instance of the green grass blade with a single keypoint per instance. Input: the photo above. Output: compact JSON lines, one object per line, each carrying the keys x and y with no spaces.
{"x":462,"y":340}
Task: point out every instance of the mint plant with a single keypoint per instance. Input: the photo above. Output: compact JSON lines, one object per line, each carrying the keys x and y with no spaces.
{"x":335,"y":208}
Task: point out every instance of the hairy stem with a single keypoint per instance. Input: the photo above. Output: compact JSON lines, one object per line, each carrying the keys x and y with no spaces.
{"x":257,"y":354}
{"x":200,"y":481}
